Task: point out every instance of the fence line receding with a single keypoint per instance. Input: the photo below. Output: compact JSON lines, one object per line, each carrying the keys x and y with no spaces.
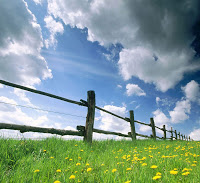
{"x":87,"y":131}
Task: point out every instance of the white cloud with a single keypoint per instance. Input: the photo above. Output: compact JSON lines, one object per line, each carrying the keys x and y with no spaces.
{"x":119,"y":86}
{"x":20,"y":45}
{"x":157,"y":100}
{"x":1,"y":86}
{"x":156,"y":48}
{"x":181,"y":111}
{"x":114,"y":124}
{"x":38,"y":1}
{"x":195,"y":135}
{"x":192,"y":91}
{"x":132,"y":89}
{"x":54,"y":28}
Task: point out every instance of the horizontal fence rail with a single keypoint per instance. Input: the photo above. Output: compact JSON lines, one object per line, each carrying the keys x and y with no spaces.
{"x":87,"y":131}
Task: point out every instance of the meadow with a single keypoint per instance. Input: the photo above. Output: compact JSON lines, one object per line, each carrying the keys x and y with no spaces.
{"x":54,"y":160}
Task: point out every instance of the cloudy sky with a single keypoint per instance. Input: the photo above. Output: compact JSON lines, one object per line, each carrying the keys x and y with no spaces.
{"x":136,"y":55}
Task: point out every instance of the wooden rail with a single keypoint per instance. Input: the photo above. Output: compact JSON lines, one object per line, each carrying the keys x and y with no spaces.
{"x":87,"y":130}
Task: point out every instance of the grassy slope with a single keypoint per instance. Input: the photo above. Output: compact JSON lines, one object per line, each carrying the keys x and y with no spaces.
{"x":131,"y":160}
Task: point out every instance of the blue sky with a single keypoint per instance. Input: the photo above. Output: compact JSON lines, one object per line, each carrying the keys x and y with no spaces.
{"x":146,"y":60}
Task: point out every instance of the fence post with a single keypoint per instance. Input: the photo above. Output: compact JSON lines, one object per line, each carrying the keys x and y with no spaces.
{"x":175,"y":134}
{"x":153,"y":128}
{"x":171,"y":134}
{"x":189,"y":138}
{"x":164,"y":129}
{"x":90,"y":116}
{"x":184,"y":137}
{"x":179,"y":136}
{"x":133,"y":134}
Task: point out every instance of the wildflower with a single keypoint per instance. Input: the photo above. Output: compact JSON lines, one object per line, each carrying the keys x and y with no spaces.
{"x":59,"y":170}
{"x":156,"y":177}
{"x":186,"y":173}
{"x":76,"y":145}
{"x":75,"y":171}
{"x":193,"y":165}
{"x":173,"y":172}
{"x":70,"y":159}
{"x":79,"y":158}
{"x":57,"y":181}
{"x":81,"y":150}
{"x":44,"y":150}
{"x":105,"y":171}
{"x":87,"y":164}
{"x":89,"y":169}
{"x":158,"y":173}
{"x":77,"y":164}
{"x":66,"y":158}
{"x":128,"y":181}
{"x":51,"y":157}
{"x":114,"y":170}
{"x":144,"y":164}
{"x":128,"y":169}
{"x":194,"y":161}
{"x":102,"y":164}
{"x":72,"y":177}
{"x":36,"y":171}
{"x":154,"y":166}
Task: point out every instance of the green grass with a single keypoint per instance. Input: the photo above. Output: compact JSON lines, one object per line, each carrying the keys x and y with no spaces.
{"x":20,"y":161}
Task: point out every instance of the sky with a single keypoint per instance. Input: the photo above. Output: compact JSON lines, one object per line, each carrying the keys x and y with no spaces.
{"x":136,"y":55}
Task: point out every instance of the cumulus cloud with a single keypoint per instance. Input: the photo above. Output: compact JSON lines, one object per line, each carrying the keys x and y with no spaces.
{"x":195,"y":135}
{"x":181,"y":111}
{"x":133,"y":89}
{"x":119,"y":86}
{"x":20,"y":45}
{"x":192,"y":91}
{"x":54,"y":27}
{"x":156,"y":39}
{"x":111,"y":123}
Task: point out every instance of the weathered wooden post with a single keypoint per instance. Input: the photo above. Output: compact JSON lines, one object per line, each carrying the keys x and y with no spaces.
{"x":189,"y":138}
{"x":90,"y":116}
{"x":171,"y":134}
{"x":184,"y":137}
{"x":179,"y":136}
{"x":153,"y":128}
{"x":164,"y":129}
{"x":175,"y":134}
{"x":133,"y":134}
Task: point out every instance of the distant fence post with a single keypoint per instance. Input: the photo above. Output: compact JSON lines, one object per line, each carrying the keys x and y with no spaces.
{"x":133,"y":134}
{"x":189,"y":138}
{"x":153,"y":129}
{"x":90,"y":116}
{"x":179,"y":136}
{"x":175,"y":134}
{"x":164,"y":129}
{"x":184,"y":137}
{"x":171,"y":133}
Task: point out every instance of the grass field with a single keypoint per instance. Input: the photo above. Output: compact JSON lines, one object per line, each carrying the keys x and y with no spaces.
{"x":54,"y":160}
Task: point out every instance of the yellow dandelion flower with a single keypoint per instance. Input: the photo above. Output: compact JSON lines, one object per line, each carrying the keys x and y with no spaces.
{"x":51,"y":157}
{"x":175,"y":169}
{"x":105,"y":171}
{"x":158,"y":173}
{"x":79,"y":158}
{"x":75,"y":171}
{"x":81,"y":150}
{"x":128,"y":169}
{"x":57,"y":181}
{"x":193,"y":165}
{"x":186,"y":173}
{"x":89,"y":169}
{"x":156,"y":177}
{"x":36,"y":171}
{"x":76,"y":145}
{"x":77,"y":164}
{"x":173,"y":172}
{"x":59,"y":170}
{"x":44,"y":150}
{"x":87,"y":164}
{"x":72,"y":177}
{"x":154,"y":166}
{"x":102,"y":164}
{"x":144,"y":164}
{"x":66,"y":158}
{"x":70,"y":159}
{"x":194,"y":161}
{"x":128,"y":181}
{"x":114,"y":170}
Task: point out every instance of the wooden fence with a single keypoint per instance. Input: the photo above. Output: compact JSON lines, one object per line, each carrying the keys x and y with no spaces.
{"x":87,"y":131}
